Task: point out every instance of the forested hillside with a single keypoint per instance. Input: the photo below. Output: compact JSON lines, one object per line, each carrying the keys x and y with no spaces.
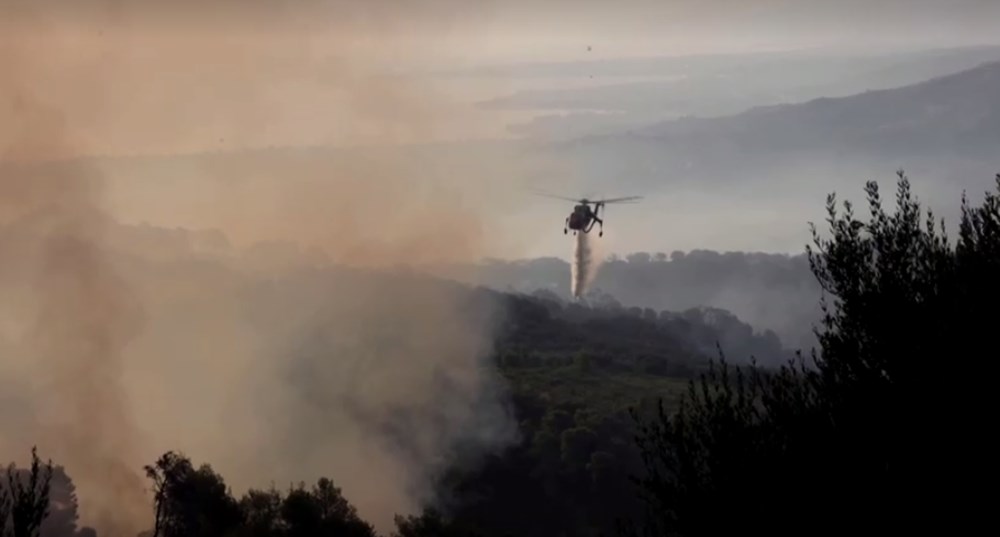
{"x":769,"y":291}
{"x":571,"y":372}
{"x":602,"y":394}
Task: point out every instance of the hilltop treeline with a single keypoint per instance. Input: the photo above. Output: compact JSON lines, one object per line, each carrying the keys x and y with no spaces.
{"x":770,"y":291}
{"x":627,"y":427}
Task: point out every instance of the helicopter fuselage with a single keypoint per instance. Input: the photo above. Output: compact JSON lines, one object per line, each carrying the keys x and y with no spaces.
{"x":582,"y":218}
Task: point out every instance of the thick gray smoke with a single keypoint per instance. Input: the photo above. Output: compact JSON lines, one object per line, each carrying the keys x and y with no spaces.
{"x":585,"y":264}
{"x":123,"y":341}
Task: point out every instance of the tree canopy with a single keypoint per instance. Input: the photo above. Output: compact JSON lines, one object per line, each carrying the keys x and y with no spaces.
{"x":883,"y":420}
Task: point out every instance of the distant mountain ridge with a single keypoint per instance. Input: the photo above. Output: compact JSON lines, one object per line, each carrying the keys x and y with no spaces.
{"x":945,"y":131}
{"x":958,"y":111}
{"x":670,"y":88}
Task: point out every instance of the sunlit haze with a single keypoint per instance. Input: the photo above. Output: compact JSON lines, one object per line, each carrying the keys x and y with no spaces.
{"x":202,"y":206}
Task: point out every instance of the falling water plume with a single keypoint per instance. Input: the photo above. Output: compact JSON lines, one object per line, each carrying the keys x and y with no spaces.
{"x":584,"y":266}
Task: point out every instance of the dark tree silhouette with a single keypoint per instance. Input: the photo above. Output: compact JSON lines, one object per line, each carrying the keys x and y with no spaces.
{"x":321,"y":511}
{"x":63,"y":513}
{"x":24,"y":502}
{"x":430,"y":523}
{"x":190,"y":502}
{"x":4,"y":510}
{"x":873,"y":430}
{"x":262,"y":513}
{"x":193,"y":502}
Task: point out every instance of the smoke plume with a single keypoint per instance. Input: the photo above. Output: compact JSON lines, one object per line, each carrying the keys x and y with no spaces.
{"x":584,"y":266}
{"x":284,"y":339}
{"x":68,"y":315}
{"x":71,"y":318}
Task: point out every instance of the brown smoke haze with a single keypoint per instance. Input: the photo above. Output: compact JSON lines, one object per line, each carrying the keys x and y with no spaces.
{"x":242,"y":346}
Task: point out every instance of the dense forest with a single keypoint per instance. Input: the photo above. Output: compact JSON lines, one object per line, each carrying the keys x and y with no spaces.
{"x":643,"y":422}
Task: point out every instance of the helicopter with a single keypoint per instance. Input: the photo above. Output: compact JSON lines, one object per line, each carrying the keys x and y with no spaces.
{"x":583,"y":217}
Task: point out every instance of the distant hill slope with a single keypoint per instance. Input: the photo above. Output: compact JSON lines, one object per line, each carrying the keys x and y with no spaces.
{"x":944,"y":131}
{"x":770,"y":75}
{"x":670,"y":88}
{"x":959,"y":112}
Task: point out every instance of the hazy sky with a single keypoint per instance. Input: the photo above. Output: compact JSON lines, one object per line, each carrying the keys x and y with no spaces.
{"x":172,"y":77}
{"x":496,"y":30}
{"x":110,"y":77}
{"x":143,"y":77}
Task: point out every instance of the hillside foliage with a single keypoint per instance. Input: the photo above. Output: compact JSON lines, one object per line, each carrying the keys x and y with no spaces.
{"x":871,"y":429}
{"x":629,"y":424}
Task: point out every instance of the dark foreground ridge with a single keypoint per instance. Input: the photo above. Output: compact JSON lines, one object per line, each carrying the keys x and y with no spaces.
{"x":627,"y":427}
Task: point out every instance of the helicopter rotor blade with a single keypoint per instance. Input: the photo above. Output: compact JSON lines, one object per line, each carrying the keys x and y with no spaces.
{"x":548,"y":195}
{"x":629,"y":199}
